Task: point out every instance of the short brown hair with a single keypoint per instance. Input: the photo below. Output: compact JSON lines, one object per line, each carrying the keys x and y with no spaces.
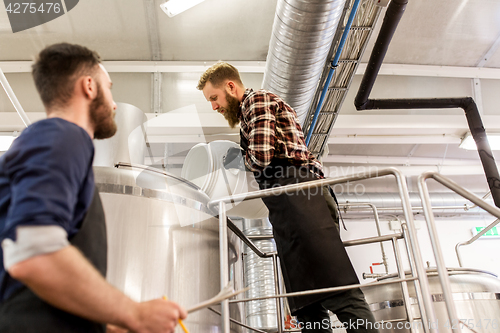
{"x":218,"y":74}
{"x":57,"y":68}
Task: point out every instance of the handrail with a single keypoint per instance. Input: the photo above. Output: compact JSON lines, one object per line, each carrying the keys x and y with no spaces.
{"x":369,"y":240}
{"x":304,"y":186}
{"x":237,"y":231}
{"x":473,"y":239}
{"x":425,"y":301}
{"x":237,"y":322}
{"x":323,"y":290}
{"x":429,"y":217}
{"x":377,"y":223}
{"x":495,"y":211}
{"x":484,"y":197}
{"x":476,"y":237}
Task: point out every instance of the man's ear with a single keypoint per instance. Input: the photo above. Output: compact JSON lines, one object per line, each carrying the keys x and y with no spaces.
{"x":88,"y":86}
{"x":231,"y":86}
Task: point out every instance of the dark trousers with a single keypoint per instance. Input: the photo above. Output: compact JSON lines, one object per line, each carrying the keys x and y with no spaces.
{"x":25,"y":312}
{"x":349,"y":306}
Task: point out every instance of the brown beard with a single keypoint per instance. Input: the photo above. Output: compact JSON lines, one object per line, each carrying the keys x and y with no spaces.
{"x":232,"y":110}
{"x":102,"y":116}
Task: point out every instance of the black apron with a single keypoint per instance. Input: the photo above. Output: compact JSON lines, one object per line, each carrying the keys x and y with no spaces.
{"x":311,"y":252}
{"x":25,"y":312}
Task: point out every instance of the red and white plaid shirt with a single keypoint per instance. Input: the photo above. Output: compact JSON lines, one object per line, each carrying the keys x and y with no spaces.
{"x":272,"y":129}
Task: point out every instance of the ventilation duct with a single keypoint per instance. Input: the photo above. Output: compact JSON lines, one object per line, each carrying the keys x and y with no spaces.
{"x":303,"y":33}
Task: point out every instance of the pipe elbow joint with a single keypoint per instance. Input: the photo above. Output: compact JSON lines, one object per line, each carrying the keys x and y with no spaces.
{"x":466,"y":102}
{"x":361,"y":106}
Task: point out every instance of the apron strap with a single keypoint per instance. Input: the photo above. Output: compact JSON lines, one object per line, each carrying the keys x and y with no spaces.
{"x":26,"y":312}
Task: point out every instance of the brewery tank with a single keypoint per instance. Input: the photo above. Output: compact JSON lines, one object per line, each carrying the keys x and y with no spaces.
{"x":162,"y":238}
{"x":476,"y":295}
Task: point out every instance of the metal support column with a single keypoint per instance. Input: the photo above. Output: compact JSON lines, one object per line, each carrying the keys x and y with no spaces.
{"x":404,"y":285}
{"x":418,"y":289}
{"x":415,"y":250}
{"x":279,"y":303}
{"x":224,"y":265}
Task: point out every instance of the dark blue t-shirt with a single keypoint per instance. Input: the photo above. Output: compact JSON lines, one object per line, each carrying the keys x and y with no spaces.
{"x":46,"y":178}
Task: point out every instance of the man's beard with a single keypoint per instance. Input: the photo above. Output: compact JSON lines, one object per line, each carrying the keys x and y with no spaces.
{"x":102,"y":116}
{"x":232,"y":110}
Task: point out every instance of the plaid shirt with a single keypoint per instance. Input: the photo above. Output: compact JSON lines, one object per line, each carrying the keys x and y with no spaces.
{"x":272,"y":129}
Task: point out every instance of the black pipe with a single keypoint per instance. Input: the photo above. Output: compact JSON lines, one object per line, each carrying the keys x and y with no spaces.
{"x":393,"y":16}
{"x":475,"y":126}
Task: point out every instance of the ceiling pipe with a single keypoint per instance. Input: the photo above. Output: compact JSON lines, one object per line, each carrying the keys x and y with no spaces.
{"x":393,"y":15}
{"x":302,"y":36}
{"x":333,"y":66}
{"x":390,"y":203}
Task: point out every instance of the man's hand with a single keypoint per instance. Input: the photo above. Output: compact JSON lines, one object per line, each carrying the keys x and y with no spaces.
{"x":158,"y":315}
{"x":234,"y":159}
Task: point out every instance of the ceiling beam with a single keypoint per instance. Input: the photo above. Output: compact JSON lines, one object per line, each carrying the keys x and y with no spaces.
{"x":487,"y":55}
{"x":417,"y":140}
{"x":435,"y":71}
{"x":147,"y":66}
{"x":383,"y":127}
{"x":259,"y":66}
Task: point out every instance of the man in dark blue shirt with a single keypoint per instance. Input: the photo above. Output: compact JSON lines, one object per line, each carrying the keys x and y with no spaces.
{"x":52,"y":232}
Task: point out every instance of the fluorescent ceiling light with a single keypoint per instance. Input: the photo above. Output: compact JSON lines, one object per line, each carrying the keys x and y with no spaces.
{"x":5,"y":142}
{"x":469,"y":143}
{"x":174,"y":7}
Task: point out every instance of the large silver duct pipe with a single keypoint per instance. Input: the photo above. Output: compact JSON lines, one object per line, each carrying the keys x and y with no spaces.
{"x":303,"y":32}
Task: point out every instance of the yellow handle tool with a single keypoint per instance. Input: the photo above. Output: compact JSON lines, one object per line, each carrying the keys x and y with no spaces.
{"x":180,"y":320}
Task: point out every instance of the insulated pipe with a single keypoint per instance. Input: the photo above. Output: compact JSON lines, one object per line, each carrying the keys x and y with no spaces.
{"x":475,"y":126}
{"x":333,"y":66}
{"x":393,"y":15}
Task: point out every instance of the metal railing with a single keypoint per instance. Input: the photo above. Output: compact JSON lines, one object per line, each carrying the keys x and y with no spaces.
{"x":473,"y":239}
{"x":377,"y":223}
{"x":418,"y":273}
{"x":429,"y":217}
{"x":476,"y":237}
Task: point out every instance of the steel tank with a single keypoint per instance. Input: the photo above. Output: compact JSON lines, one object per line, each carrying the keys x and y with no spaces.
{"x":163,"y":240}
{"x":128,"y":145}
{"x":476,"y":295}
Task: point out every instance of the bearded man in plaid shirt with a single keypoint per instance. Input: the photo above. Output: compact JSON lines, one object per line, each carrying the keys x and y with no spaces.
{"x":305,"y":225}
